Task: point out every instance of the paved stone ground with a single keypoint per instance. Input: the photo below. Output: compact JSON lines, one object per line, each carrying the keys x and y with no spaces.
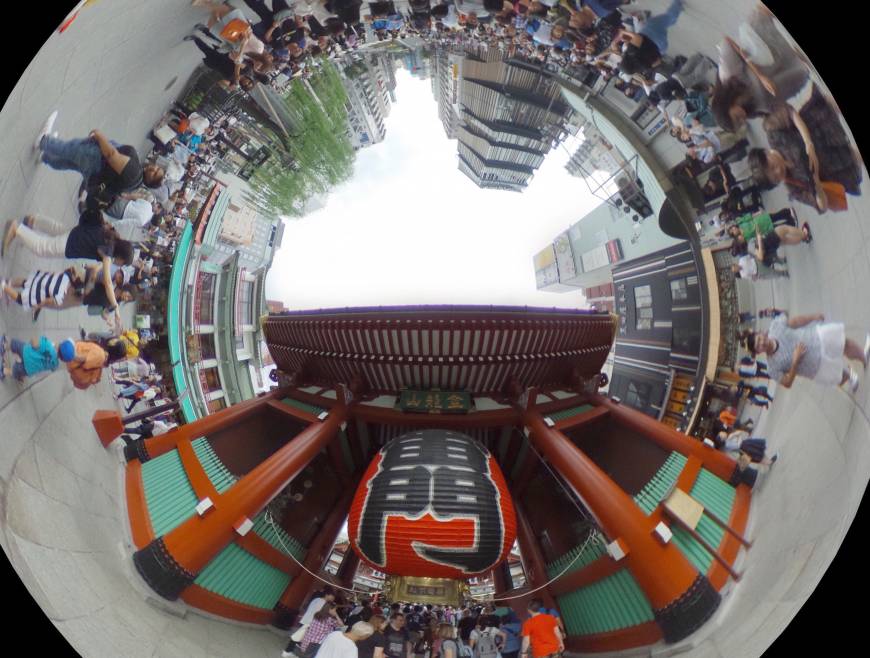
{"x":61,"y":503}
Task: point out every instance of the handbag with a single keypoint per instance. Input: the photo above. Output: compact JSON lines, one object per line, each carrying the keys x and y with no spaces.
{"x":836,"y":195}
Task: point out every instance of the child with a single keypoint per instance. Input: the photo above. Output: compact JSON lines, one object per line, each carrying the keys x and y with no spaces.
{"x":39,"y":355}
{"x":86,"y":363}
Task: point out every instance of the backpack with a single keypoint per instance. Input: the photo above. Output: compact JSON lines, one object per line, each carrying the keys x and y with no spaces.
{"x":486,"y":646}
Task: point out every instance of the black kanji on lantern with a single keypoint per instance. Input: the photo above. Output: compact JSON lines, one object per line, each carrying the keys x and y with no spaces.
{"x":447,"y":476}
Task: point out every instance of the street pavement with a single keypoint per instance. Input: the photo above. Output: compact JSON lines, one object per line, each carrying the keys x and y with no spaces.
{"x":118,"y":67}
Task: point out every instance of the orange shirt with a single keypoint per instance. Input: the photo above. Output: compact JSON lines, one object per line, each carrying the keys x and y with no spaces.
{"x":88,"y":372}
{"x":541,"y":631}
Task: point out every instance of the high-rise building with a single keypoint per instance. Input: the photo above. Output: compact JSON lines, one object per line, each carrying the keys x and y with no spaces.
{"x":511,"y":113}
{"x":370,"y":82}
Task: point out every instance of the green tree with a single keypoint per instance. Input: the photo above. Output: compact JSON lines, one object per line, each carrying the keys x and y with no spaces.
{"x":318,"y":158}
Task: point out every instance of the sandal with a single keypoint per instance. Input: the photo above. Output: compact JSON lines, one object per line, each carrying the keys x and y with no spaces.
{"x":809,"y":234}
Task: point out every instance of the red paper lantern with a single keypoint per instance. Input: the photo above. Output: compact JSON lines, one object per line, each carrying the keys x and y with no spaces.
{"x":433,"y":503}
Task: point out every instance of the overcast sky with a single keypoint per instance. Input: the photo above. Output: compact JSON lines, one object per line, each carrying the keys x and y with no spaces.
{"x":410,"y":228}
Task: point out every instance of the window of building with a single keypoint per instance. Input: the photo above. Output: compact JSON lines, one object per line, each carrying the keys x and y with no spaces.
{"x":206,"y":297}
{"x":686,"y":339}
{"x":643,"y":307}
{"x":216,"y":405}
{"x":206,"y":346}
{"x":246,"y":303}
{"x":637,"y":395}
{"x":212,"y":380}
{"x":679,"y":290}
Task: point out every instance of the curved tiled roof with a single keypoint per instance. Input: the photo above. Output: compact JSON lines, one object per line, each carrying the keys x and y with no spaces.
{"x":471,"y":348}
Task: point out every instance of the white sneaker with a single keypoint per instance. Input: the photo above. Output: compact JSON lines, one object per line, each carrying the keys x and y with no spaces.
{"x":854,"y":382}
{"x":46,"y":131}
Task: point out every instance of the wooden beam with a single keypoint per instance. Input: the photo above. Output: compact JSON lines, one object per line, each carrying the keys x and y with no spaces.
{"x":293,"y":412}
{"x":730,"y":546}
{"x":385,"y":416}
{"x":593,"y":572}
{"x":263,"y":550}
{"x":221,"y":606}
{"x":137,"y":508}
{"x":585,"y":418}
{"x":199,"y":481}
{"x":526,"y":472}
{"x":625,"y":638}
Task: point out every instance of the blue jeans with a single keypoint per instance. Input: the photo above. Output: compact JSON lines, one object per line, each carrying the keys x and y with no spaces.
{"x":130,"y":390}
{"x":81,"y":155}
{"x":16,"y":346}
{"x":656,"y":28}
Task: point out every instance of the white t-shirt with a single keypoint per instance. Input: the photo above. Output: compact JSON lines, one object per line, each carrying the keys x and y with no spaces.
{"x":313,"y":608}
{"x":139,"y":210}
{"x":748,"y":266}
{"x":337,"y":645}
{"x":198,"y":123}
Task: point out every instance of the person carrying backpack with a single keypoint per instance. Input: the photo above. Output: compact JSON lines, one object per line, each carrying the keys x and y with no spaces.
{"x":486,"y":642}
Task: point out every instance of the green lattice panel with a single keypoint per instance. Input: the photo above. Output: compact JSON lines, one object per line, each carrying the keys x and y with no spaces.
{"x":239,"y":576}
{"x":312,"y":409}
{"x":570,"y":413}
{"x":594,"y":550}
{"x":278,"y":537}
{"x":609,"y":604}
{"x":219,"y":475}
{"x":168,"y":494}
{"x":718,"y":496}
{"x":661,"y":484}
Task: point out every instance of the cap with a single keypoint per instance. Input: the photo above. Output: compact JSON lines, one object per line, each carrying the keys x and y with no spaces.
{"x":67,"y":350}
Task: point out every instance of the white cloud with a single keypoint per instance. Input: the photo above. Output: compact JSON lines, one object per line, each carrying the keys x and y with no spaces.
{"x":410,"y":228}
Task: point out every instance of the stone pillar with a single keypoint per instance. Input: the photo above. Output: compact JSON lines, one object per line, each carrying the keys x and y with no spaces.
{"x":682,"y":598}
{"x":171,"y":563}
{"x":155,"y":446}
{"x":718,"y":463}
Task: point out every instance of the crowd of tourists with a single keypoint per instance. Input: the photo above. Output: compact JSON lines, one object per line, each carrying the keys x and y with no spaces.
{"x":331,"y":627}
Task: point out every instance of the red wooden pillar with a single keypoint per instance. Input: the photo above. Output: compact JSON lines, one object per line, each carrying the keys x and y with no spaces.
{"x":171,"y":563}
{"x":499,"y":580}
{"x":681,"y":597}
{"x":318,"y":553}
{"x":533,"y":560}
{"x":155,"y":446}
{"x":718,"y":463}
{"x":347,"y":570}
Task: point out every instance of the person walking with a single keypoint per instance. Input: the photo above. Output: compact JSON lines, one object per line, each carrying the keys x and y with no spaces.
{"x":541,"y":634}
{"x":35,"y":356}
{"x":807,"y":346}
{"x":107,"y":167}
{"x":373,"y":646}
{"x":325,"y":621}
{"x":340,"y":644}
{"x":90,"y":239}
{"x":314,"y":606}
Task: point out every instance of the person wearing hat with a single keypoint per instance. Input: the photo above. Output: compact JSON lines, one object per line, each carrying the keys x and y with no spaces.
{"x":86,"y":364}
{"x":38,"y":355}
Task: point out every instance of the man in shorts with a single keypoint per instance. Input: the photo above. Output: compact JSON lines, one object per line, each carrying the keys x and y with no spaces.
{"x":808,"y":346}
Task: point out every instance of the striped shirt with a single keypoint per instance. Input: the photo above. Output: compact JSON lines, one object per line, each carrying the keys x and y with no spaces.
{"x":41,"y":286}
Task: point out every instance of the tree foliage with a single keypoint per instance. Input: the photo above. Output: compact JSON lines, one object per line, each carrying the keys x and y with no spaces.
{"x":318,"y":158}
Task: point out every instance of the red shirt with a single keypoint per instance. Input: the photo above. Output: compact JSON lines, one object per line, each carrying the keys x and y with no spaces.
{"x":541,"y":631}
